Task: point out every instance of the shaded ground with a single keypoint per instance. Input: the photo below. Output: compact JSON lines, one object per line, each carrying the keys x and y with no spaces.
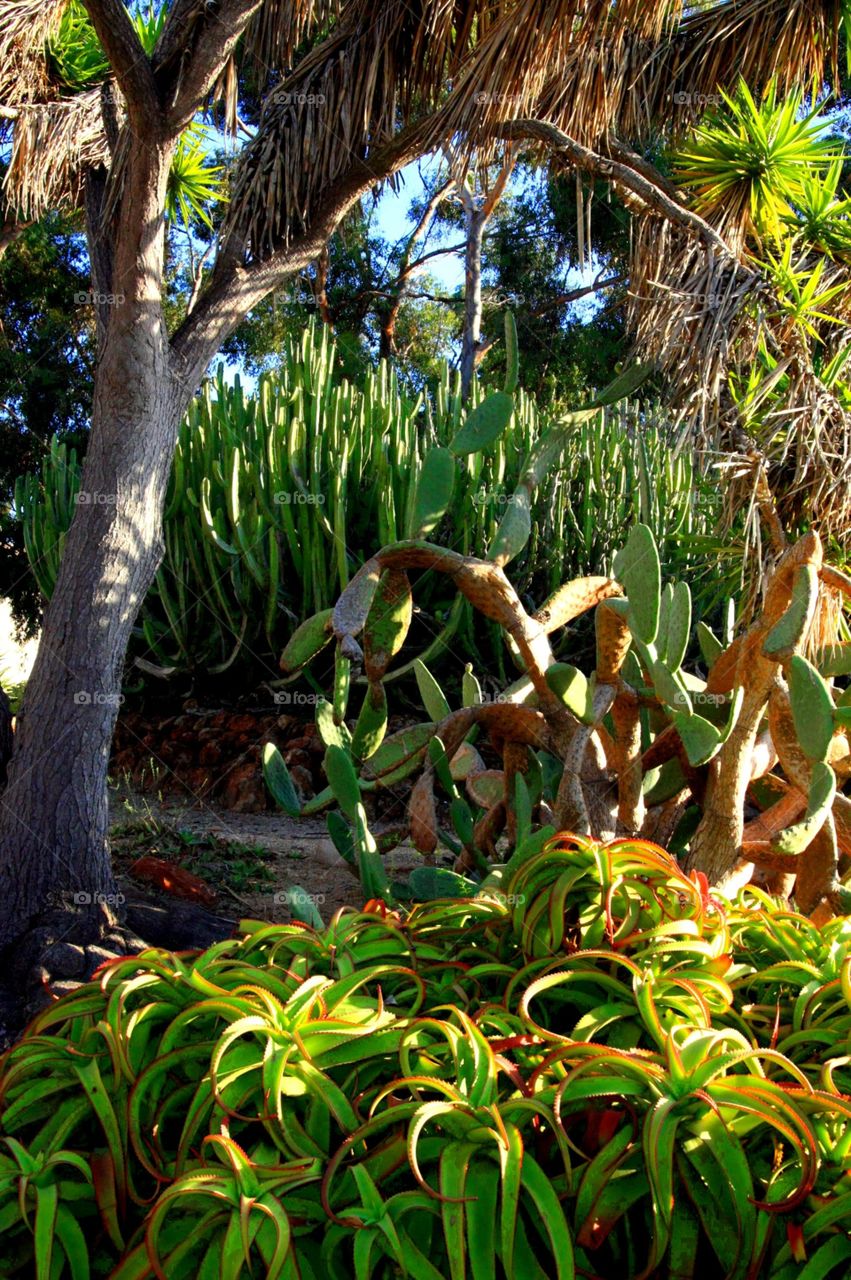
{"x":249,"y":860}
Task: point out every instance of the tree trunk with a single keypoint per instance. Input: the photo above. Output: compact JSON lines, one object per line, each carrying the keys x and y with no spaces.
{"x":53,"y":833}
{"x":472,"y":334}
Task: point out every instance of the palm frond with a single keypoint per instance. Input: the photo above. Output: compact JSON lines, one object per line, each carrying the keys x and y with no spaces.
{"x":53,"y":144}
{"x":25,"y":27}
{"x":795,"y":43}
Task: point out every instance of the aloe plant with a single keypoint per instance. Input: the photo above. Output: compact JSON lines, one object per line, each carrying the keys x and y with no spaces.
{"x":591,"y":1067}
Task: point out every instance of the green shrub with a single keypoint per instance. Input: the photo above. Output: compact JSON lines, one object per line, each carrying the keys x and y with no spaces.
{"x":599,"y":1071}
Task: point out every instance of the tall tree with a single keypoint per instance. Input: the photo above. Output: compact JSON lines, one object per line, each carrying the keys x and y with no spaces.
{"x":353,"y":93}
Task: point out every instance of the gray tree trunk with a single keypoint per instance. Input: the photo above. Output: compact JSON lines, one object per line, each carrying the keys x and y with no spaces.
{"x":53,"y":836}
{"x":471,"y":338}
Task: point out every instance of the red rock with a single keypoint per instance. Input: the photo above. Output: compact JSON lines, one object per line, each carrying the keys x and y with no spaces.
{"x":243,"y":723}
{"x":303,"y":781}
{"x":244,"y":790}
{"x":210,"y":753}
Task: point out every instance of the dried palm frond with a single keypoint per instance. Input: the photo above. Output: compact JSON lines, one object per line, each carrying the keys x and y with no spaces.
{"x":53,"y":144}
{"x":25,"y":27}
{"x":279,"y":26}
{"x":344,"y":99}
{"x":691,"y":309}
{"x":704,"y":316}
{"x":795,"y":42}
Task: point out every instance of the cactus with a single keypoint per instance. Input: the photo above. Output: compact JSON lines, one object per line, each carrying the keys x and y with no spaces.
{"x":268,"y":491}
{"x":640,"y":746}
{"x":343,"y":781}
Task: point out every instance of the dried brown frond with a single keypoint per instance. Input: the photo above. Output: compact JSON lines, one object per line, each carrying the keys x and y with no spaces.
{"x":691,"y":309}
{"x":25,"y":27}
{"x":53,"y":144}
{"x":346,"y":98}
{"x":279,"y":26}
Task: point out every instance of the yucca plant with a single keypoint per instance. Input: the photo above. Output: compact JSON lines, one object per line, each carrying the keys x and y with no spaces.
{"x":748,"y":162}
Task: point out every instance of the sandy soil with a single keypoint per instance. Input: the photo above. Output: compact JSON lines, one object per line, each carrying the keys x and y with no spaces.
{"x":304,"y":856}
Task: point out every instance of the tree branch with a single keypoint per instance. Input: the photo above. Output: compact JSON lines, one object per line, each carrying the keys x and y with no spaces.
{"x":650,"y":192}
{"x":234,"y":288}
{"x":128,"y":60}
{"x":193,"y":50}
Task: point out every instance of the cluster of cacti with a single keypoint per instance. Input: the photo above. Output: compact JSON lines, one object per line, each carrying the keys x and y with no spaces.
{"x":277,"y":497}
{"x":641,"y":747}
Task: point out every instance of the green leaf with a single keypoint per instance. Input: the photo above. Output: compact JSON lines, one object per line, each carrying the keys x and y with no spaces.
{"x":342,"y":836}
{"x":434,"y":491}
{"x":512,"y":355}
{"x":624,"y":385}
{"x":278,"y":780}
{"x":431,"y":883}
{"x":433,"y":699}
{"x":797,"y":838}
{"x":812,"y":708}
{"x":638,"y":569}
{"x":700,"y":738}
{"x":332,"y":733}
{"x":302,"y":906}
{"x":372,"y":722}
{"x":307,"y":641}
{"x":471,"y":690}
{"x":574,"y":689}
{"x":670,"y":688}
{"x":711,"y":647}
{"x":514,"y":529}
{"x":788,"y":632}
{"x":679,"y":626}
{"x":343,"y":780}
{"x":485,"y":424}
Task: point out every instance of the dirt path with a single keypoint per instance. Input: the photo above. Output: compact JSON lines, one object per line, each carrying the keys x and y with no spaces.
{"x":297,"y":852}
